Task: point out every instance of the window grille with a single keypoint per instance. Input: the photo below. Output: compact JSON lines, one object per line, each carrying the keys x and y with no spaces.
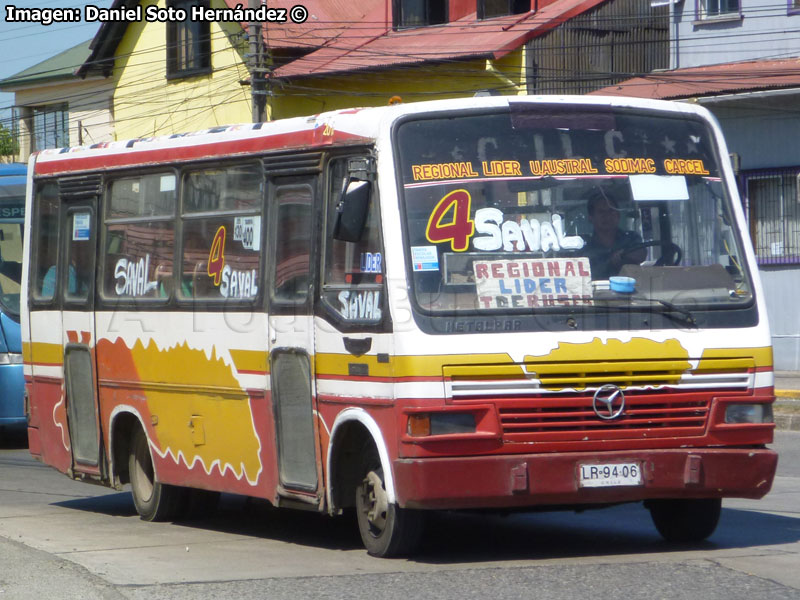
{"x":50,"y":126}
{"x":773,"y":202}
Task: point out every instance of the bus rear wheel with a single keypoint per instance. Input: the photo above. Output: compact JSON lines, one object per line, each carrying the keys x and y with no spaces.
{"x":154,"y":501}
{"x":386,"y":529}
{"x":687,"y":519}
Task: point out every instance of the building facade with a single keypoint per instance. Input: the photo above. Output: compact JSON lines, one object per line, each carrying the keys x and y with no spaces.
{"x":54,"y":108}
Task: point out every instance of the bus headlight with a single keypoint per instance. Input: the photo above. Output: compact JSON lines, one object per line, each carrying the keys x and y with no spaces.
{"x":440,"y":423}
{"x":749,"y":413}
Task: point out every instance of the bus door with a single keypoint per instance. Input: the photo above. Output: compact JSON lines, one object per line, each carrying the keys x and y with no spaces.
{"x":292,"y":227}
{"x":76,"y":284}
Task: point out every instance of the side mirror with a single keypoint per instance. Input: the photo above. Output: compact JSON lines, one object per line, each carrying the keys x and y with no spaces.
{"x":351,"y":212}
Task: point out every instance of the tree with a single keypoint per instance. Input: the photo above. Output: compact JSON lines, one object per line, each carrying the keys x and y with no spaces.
{"x":9,"y":147}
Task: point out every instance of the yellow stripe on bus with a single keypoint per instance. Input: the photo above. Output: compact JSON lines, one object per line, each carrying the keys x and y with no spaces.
{"x":250,"y":361}
{"x":42,"y":353}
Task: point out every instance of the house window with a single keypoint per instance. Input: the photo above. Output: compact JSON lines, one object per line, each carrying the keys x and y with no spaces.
{"x":500,"y":8}
{"x":710,"y":9}
{"x":418,"y":13}
{"x":188,"y":42}
{"x":50,"y":126}
{"x":774,"y":207}
{"x":794,"y":6}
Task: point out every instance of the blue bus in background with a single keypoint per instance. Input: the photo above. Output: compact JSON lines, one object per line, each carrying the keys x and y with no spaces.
{"x":12,"y":217}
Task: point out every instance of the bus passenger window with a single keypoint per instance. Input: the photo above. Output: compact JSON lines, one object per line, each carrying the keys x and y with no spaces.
{"x":221,"y":233}
{"x":140,"y":237}
{"x":45,"y":259}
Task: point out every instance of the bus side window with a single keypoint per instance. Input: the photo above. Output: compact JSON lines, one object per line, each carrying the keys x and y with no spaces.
{"x":139,"y":246}
{"x":354,"y":270}
{"x":45,"y":239}
{"x":221,"y":215}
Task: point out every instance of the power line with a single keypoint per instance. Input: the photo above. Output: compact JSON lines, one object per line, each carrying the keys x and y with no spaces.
{"x":420,"y":63}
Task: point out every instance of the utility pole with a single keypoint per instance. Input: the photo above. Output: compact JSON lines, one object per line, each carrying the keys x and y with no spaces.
{"x":258,"y":69}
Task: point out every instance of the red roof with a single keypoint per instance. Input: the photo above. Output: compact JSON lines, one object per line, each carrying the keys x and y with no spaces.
{"x":327,"y":20}
{"x":370,"y":42}
{"x":713,"y":80}
{"x":347,"y":35}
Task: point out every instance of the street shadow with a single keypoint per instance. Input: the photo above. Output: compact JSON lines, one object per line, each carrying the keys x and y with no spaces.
{"x":463,"y":537}
{"x":628,"y":529}
{"x":13,"y":439}
{"x":243,"y":516}
{"x":113,"y":504}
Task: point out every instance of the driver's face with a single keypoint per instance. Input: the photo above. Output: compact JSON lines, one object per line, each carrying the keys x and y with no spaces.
{"x":605,"y":216}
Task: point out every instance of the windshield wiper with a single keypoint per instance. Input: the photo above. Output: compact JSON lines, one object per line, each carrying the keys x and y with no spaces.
{"x":672,"y":311}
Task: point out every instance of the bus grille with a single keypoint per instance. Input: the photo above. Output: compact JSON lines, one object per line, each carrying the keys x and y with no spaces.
{"x":573,"y":418}
{"x":554,"y":402}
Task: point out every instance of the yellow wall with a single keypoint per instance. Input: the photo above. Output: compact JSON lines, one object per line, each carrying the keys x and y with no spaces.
{"x":146,"y":103}
{"x":312,"y":95}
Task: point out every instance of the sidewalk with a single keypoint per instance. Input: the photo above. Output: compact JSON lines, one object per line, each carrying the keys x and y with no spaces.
{"x":787,"y":402}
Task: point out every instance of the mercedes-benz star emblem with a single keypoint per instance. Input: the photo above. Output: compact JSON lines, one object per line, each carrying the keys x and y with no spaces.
{"x":608,"y":402}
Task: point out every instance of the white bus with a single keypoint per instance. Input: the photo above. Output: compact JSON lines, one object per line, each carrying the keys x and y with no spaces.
{"x":501,"y":303}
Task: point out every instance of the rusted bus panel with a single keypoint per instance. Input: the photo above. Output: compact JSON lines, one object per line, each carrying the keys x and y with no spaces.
{"x":612,"y":43}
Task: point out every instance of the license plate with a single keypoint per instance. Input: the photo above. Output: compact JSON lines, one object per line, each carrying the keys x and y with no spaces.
{"x":609,"y":475}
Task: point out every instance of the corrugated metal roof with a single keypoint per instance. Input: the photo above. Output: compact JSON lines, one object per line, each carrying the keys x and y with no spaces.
{"x":713,"y":80}
{"x":372,"y":43}
{"x":342,"y":35}
{"x":60,"y":66}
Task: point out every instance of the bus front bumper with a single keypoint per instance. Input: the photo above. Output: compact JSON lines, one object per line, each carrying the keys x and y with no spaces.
{"x":517,"y":481}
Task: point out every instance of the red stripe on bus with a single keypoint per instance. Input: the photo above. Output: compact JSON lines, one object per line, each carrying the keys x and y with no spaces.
{"x":127,"y":157}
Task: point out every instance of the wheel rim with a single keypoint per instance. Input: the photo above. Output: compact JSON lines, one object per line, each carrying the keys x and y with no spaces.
{"x":142,"y":476}
{"x":374,"y":503}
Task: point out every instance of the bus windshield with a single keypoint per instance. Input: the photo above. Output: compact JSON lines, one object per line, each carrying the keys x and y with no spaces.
{"x":10,"y":267}
{"x":12,"y":212}
{"x":547,"y":207}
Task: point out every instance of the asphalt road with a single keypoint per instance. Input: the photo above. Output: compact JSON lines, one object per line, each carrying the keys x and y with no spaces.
{"x":64,"y":539}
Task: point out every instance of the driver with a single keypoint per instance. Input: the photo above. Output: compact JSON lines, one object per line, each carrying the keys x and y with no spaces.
{"x":610,"y":247}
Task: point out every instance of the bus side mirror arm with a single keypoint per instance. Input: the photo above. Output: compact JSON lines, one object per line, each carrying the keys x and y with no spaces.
{"x":351,"y":212}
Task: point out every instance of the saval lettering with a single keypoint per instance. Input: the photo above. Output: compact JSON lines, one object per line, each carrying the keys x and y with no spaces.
{"x":362,"y":306}
{"x":527,"y":234}
{"x":133,"y":277}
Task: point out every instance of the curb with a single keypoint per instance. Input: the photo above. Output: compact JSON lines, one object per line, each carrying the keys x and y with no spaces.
{"x":787,"y":422}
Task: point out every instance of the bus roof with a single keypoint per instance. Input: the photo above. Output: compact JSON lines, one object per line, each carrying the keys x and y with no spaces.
{"x":10,"y":170}
{"x":12,"y":181}
{"x":341,"y":127}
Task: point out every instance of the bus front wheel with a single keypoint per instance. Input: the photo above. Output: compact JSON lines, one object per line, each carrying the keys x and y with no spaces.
{"x":154,"y":501}
{"x":685,"y":520}
{"x":386,"y":529}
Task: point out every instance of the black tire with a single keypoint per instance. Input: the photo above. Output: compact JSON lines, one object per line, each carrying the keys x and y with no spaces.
{"x":386,"y":529}
{"x":685,"y":520}
{"x":154,"y":501}
{"x":200,"y":503}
